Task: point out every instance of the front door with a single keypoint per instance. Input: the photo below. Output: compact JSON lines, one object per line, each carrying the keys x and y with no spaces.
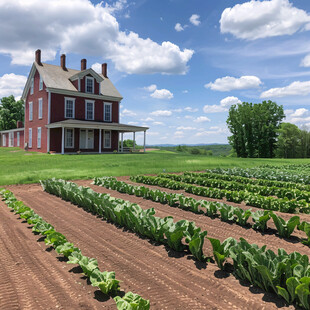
{"x":86,"y":139}
{"x":83,"y":139}
{"x":90,"y":139}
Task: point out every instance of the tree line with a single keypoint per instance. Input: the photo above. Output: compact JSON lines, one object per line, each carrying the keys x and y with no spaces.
{"x":258,"y":131}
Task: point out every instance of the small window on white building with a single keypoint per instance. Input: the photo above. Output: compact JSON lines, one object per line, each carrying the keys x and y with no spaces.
{"x":41,"y":83}
{"x":89,"y":110}
{"x":30,"y":138}
{"x":32,"y":86}
{"x":30,"y":111}
{"x":39,"y":138}
{"x":40,"y":107}
{"x":89,"y":84}
{"x":107,"y":112}
{"x":4,"y":140}
{"x":69,"y":107}
{"x":107,"y":139}
{"x":69,"y":138}
{"x":18,"y":139}
{"x":11,"y":139}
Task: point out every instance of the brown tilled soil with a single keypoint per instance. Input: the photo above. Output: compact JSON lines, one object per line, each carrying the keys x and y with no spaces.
{"x":32,"y":277}
{"x":170,"y":280}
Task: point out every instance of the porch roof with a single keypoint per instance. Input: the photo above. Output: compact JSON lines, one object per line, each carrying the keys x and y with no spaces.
{"x":74,"y":123}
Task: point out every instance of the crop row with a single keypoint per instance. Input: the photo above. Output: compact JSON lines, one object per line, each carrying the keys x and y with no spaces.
{"x":252,"y":199}
{"x":288,"y":275}
{"x":236,"y":186}
{"x":239,"y":179}
{"x":265,"y":173}
{"x":212,"y":209}
{"x":132,"y":216}
{"x":105,"y":281}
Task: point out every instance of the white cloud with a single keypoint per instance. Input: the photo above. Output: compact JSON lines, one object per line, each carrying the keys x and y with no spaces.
{"x":189,"y":117}
{"x":179,"y":134}
{"x":161,"y":113}
{"x":12,"y":84}
{"x":149,"y":119}
{"x":158,"y":123}
{"x":260,"y":19}
{"x":202,"y":119}
{"x":214,"y":108}
{"x":162,"y":94}
{"x":299,"y":112}
{"x":97,"y":67}
{"x":213,"y":131}
{"x":306,"y":61}
{"x":299,"y":116}
{"x":152,"y":133}
{"x":178,"y":27}
{"x":190,"y":109}
{"x":126,"y":112}
{"x":185,"y":91}
{"x":229,"y":83}
{"x":132,"y":123}
{"x":73,"y":27}
{"x":194,"y":19}
{"x":186,"y":128}
{"x":151,"y":88}
{"x":177,"y":110}
{"x":228,"y":101}
{"x":294,"y":89}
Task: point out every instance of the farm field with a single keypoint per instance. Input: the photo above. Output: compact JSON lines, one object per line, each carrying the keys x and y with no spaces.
{"x":170,"y":275}
{"x":169,"y":279}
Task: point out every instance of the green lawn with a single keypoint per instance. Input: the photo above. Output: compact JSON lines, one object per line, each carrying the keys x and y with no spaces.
{"x":18,"y":166}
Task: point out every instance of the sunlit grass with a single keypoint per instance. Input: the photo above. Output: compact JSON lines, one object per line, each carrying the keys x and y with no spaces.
{"x":18,"y":166}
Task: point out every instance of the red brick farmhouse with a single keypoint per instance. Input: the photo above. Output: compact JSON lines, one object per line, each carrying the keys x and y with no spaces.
{"x":69,"y":110}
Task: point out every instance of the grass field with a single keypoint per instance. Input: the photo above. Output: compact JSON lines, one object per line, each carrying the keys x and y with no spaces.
{"x":18,"y":166}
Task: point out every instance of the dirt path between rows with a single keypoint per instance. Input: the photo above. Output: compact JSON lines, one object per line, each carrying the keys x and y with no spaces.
{"x":170,"y":280}
{"x":33,"y":278}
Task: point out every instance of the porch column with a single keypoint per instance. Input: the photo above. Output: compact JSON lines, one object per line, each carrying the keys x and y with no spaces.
{"x":48,"y":139}
{"x":134,"y":140}
{"x":122,"y":142}
{"x":62,"y":140}
{"x":144,"y":140}
{"x":100,"y":141}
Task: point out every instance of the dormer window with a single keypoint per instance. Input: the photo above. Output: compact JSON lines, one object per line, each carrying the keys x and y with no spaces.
{"x":89,"y":85}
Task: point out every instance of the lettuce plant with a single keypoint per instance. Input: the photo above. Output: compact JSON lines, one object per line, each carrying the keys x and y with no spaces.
{"x":105,"y":281}
{"x":285,"y":228}
{"x":131,"y":301}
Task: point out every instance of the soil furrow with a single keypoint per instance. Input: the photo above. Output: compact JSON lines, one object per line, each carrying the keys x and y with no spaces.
{"x":34,"y":277}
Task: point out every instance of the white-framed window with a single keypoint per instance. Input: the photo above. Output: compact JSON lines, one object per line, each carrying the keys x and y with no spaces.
{"x":30,"y":138}
{"x":3,"y":140}
{"x":11,"y":139}
{"x":89,"y":110}
{"x":41,"y":83}
{"x":18,"y":139}
{"x":107,"y":112}
{"x":69,"y":107}
{"x":40,"y":107}
{"x":107,"y":139}
{"x":39,"y":138}
{"x":31,"y":86}
{"x":89,"y":84}
{"x":30,"y":111}
{"x":69,"y":138}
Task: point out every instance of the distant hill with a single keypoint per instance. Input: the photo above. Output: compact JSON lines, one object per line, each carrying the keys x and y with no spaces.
{"x":212,"y":149}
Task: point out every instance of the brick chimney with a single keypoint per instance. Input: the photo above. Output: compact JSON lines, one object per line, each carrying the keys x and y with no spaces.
{"x":63,"y":62}
{"x":38,"y":57}
{"x":20,"y":124}
{"x":83,"y":64}
{"x":105,"y":70}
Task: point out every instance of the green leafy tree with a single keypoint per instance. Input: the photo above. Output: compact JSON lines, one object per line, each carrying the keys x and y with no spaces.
{"x":11,"y":111}
{"x":254,"y":128}
{"x":288,"y":145}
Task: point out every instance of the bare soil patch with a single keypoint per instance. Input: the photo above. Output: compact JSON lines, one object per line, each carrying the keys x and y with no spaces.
{"x":170,"y":280}
{"x":32,"y":277}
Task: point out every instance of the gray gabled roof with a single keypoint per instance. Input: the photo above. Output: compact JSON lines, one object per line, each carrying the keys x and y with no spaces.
{"x":55,"y":77}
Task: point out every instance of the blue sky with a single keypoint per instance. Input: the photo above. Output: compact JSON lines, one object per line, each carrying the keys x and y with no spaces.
{"x":179,"y":64}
